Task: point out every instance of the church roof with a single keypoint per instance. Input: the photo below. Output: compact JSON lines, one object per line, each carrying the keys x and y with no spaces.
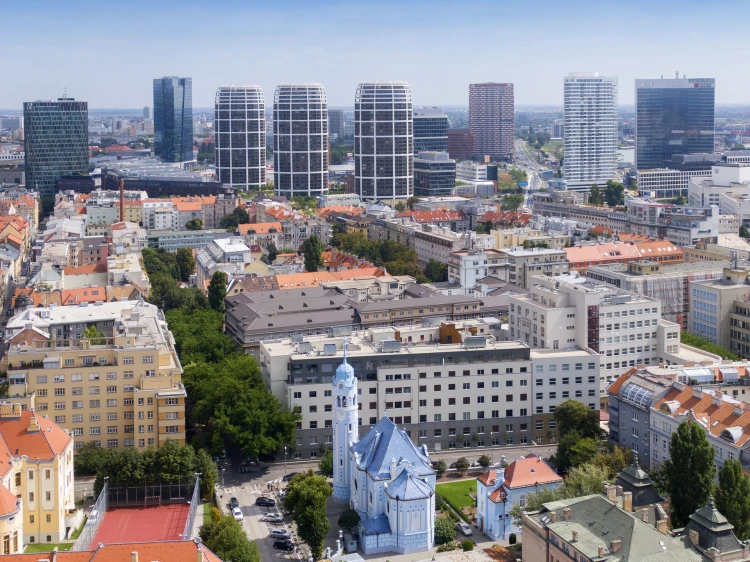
{"x":406,"y":487}
{"x":377,"y":525}
{"x":384,"y":442}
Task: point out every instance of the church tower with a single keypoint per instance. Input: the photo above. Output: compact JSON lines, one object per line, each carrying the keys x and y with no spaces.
{"x":345,"y":428}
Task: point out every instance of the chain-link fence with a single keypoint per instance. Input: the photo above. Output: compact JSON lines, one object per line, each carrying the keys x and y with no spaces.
{"x":92,"y":522}
{"x":194,"y":503}
{"x":151,"y":494}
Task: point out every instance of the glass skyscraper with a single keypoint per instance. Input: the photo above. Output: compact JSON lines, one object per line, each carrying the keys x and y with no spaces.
{"x":430,"y":130}
{"x":56,"y":142}
{"x":173,"y":118}
{"x":673,"y":116}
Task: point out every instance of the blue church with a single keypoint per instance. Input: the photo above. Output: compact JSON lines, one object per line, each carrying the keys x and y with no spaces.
{"x":385,"y":477}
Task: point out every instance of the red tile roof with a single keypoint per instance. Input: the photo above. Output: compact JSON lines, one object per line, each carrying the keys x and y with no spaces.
{"x":488,"y":477}
{"x":438,"y":215}
{"x":44,"y":444}
{"x":259,"y":228}
{"x":529,"y":471}
{"x":86,"y":269}
{"x":161,"y":551}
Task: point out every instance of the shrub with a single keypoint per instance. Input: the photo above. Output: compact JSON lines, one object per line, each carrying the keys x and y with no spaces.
{"x":348,"y":519}
{"x":447,"y":547}
{"x":444,"y":531}
{"x":467,"y":545}
{"x":512,"y":538}
{"x":215,"y":515}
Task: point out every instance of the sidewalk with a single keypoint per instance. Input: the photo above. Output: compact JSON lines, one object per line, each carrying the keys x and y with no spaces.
{"x":198,"y":520}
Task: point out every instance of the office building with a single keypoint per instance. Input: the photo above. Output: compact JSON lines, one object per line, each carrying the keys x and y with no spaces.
{"x":336,"y":123}
{"x":460,"y":143}
{"x":173,"y":119}
{"x":672,"y":116}
{"x":491,"y":119}
{"x":467,"y":170}
{"x":430,"y":130}
{"x":590,"y":129}
{"x":712,"y":301}
{"x":56,"y":142}
{"x":558,"y":129}
{"x":524,"y":263}
{"x":240,"y":137}
{"x":300,"y":140}
{"x":448,"y":384}
{"x":146,"y":112}
{"x":666,"y":183}
{"x":434,"y":174}
{"x":383,"y":141}
{"x":118,"y":391}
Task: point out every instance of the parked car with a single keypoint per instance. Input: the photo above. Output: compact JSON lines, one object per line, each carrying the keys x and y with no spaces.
{"x":273,"y":518}
{"x":280,"y":534}
{"x":237,"y":514}
{"x":464,"y":529}
{"x":234,"y":502}
{"x":265,"y":502}
{"x":288,"y":477}
{"x":283,"y":544}
{"x":282,"y":493}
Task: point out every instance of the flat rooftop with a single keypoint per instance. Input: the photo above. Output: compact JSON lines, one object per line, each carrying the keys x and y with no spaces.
{"x":666,"y":269}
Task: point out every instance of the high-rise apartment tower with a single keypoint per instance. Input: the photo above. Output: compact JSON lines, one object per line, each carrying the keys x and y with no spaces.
{"x":240,"y":137}
{"x":383,"y":141}
{"x":491,"y":118}
{"x":300,"y":140}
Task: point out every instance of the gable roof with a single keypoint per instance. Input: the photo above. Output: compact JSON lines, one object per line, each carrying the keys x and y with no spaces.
{"x":49,"y":441}
{"x":406,"y":487}
{"x":384,"y":442}
{"x":437,"y":215}
{"x":159,"y":551}
{"x":529,"y":471}
{"x":259,"y":228}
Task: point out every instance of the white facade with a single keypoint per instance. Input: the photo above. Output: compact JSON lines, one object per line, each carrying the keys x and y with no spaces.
{"x":345,"y":428}
{"x":466,"y":268}
{"x":160,"y":215}
{"x":590,"y":129}
{"x":466,"y":170}
{"x":664,"y":183}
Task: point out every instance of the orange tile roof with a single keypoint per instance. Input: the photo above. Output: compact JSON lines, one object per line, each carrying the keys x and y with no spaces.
{"x":598,"y":229}
{"x":529,"y":471}
{"x":187,"y":206}
{"x":40,"y":298}
{"x":488,"y":477}
{"x":614,"y":388}
{"x":300,"y":280}
{"x":506,"y":218}
{"x":283,"y":213}
{"x":609,"y":252}
{"x":631,"y":237}
{"x":49,"y":441}
{"x":157,"y":551}
{"x":8,"y":502}
{"x":498,"y":495}
{"x":340,"y":209}
{"x":371,"y":271}
{"x":86,"y":269}
{"x":259,"y":227}
{"x":659,"y":248}
{"x":14,"y":238}
{"x":437,"y":215}
{"x":87,"y":294}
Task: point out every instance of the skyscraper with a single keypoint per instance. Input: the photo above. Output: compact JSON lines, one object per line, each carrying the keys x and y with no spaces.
{"x":460,"y":143}
{"x":240,"y":136}
{"x":383,"y":141}
{"x":491,"y":118}
{"x":336,"y":122}
{"x":56,"y":142}
{"x":434,"y":174}
{"x":430,"y":130}
{"x":590,"y":129}
{"x":300,"y":140}
{"x":673,"y":116}
{"x":173,"y":118}
{"x":146,"y":112}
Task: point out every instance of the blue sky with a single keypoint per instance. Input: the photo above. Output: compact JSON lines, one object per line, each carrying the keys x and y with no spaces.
{"x":108,"y":52}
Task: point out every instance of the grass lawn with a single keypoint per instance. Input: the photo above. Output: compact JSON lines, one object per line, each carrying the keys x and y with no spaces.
{"x":47,"y":547}
{"x":457,"y":493}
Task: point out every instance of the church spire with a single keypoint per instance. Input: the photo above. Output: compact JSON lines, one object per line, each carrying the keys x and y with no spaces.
{"x":344,"y":372}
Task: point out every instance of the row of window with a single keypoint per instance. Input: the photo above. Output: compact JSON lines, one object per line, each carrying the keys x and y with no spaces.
{"x":565,"y":367}
{"x":113,"y":443}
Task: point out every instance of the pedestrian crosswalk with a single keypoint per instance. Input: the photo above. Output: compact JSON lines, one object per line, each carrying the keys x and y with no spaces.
{"x":255,"y":487}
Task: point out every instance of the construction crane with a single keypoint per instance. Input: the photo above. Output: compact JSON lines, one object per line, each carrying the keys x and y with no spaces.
{"x":738,"y":138}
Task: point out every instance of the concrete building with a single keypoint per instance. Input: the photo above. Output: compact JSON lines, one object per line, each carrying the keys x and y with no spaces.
{"x":711,"y":302}
{"x":491,"y":119}
{"x":415,"y":311}
{"x":525,"y":263}
{"x":336,"y":123}
{"x":434,"y":174}
{"x":172,"y":240}
{"x":159,"y":215}
{"x":460,"y":144}
{"x":230,"y":255}
{"x":430,"y":130}
{"x":467,"y":267}
{"x":590,"y":130}
{"x":665,"y":183}
{"x":682,"y":225}
{"x":118,"y":391}
{"x":728,"y":187}
{"x":466,"y":170}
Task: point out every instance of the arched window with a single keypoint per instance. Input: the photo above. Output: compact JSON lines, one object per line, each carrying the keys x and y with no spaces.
{"x":343,"y":401}
{"x":338,"y":401}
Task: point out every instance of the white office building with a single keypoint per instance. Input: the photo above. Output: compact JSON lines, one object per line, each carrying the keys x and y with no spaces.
{"x":590,"y":129}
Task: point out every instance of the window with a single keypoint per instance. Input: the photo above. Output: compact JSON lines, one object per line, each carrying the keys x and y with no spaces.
{"x":148,"y":358}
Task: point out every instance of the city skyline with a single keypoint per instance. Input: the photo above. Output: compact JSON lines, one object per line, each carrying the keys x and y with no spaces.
{"x":302,"y":42}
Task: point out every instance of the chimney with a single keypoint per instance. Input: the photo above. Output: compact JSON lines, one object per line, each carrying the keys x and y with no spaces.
{"x":600,"y":551}
{"x":661,"y":526}
{"x":575,"y":536}
{"x":615,"y":545}
{"x":553,"y":516}
{"x":627,"y":501}
{"x":566,"y":513}
{"x":694,"y":538}
{"x":199,"y":554}
{"x":619,"y":491}
{"x":611,"y":492}
{"x":134,"y":556}
{"x":645,"y":516}
{"x":122,"y":209}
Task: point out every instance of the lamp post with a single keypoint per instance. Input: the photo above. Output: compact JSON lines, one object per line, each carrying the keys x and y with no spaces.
{"x":284,"y":464}
{"x":223,"y":470}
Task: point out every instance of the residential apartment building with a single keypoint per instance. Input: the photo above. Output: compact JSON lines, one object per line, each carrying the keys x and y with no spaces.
{"x":121,"y":390}
{"x":679,"y":224}
{"x":410,"y":312}
{"x":460,"y":143}
{"x":467,"y":267}
{"x":590,"y":129}
{"x":230,"y":255}
{"x":711,"y":302}
{"x":450,"y":385}
{"x":523,"y":264}
{"x":159,"y":214}
{"x":295,"y":232}
{"x":491,"y":118}
{"x":366,"y":289}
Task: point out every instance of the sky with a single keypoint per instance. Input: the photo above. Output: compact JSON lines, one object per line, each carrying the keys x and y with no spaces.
{"x":108,"y":53}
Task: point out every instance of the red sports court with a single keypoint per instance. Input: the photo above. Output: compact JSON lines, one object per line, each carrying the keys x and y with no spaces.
{"x":142,"y":524}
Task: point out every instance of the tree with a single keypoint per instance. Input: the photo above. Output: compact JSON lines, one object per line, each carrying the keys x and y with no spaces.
{"x":614,"y":193}
{"x":583,"y":451}
{"x":312,"y":248}
{"x":744,"y":231}
{"x":272,"y":252}
{"x":462,"y":465}
{"x":614,"y":459}
{"x":217,"y":290}
{"x":306,"y":500}
{"x":194,"y":224}
{"x":186,"y":263}
{"x":440,"y":468}
{"x":436,"y":271}
{"x":585,"y":480}
{"x":445,"y":532}
{"x":400,"y":207}
{"x":411,"y":202}
{"x":733,"y":497}
{"x":512,"y":202}
{"x":236,"y":217}
{"x":484,"y":228}
{"x":228,"y":540}
{"x":690,"y":471}
{"x":94,"y":335}
{"x":484,"y":461}
{"x":326,"y":461}
{"x":573,"y":415}
{"x":595,"y":195}
{"x":349,"y":519}
{"x":707,"y":345}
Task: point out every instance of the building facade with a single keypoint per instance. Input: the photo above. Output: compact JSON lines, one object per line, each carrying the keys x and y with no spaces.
{"x":240,"y":136}
{"x":55,"y":142}
{"x":300,"y":140}
{"x":173,"y":119}
{"x":336,"y":123}
{"x":672,"y":116}
{"x":434,"y":174}
{"x":383,"y":141}
{"x":460,"y":143}
{"x":590,"y":130}
{"x":491,"y":119}
{"x":430,"y":130}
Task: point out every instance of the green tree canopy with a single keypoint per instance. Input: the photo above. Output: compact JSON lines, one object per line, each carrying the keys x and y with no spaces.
{"x":194,"y":224}
{"x":325,"y":465}
{"x":595,"y":195}
{"x":744,"y":231}
{"x":614,"y":193}
{"x":235,"y":218}
{"x":484,"y":461}
{"x":436,"y":271}
{"x":272,"y":252}
{"x":690,"y":471}
{"x":733,"y":497}
{"x":512,"y":202}
{"x":94,"y":335}
{"x":306,"y":500}
{"x":217,"y":290}
{"x":349,"y":519}
{"x":228,"y":540}
{"x":445,"y":532}
{"x":440,"y":468}
{"x":312,"y":248}
{"x":462,"y":465}
{"x":185,"y":263}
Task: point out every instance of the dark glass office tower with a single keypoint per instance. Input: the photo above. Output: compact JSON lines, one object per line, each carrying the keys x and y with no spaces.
{"x":173,"y":118}
{"x":673,"y":116}
{"x":430,"y":130}
{"x":434,"y":174}
{"x":56,"y":142}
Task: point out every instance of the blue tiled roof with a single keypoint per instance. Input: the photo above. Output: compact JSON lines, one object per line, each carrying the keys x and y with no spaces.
{"x":385,"y":441}
{"x":376,"y":526}
{"x":407,"y":487}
